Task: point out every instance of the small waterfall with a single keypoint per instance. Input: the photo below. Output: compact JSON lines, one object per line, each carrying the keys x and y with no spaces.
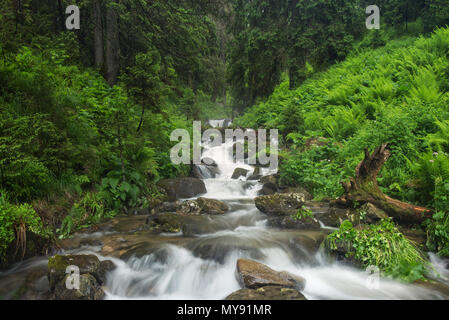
{"x":203,"y":266}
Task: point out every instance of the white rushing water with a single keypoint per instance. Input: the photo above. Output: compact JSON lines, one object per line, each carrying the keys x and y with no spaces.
{"x":205,"y":267}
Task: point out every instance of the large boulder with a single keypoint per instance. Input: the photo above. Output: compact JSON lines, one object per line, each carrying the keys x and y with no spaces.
{"x":280,"y":204}
{"x":239,"y":172}
{"x":182,"y":188}
{"x":252,"y":275}
{"x":89,"y":289}
{"x":267,"y":293}
{"x":212,"y":206}
{"x":92,"y":274}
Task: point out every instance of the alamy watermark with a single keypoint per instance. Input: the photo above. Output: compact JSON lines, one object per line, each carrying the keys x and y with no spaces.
{"x":372,"y":282}
{"x":73,"y":20}
{"x":257,"y":145}
{"x":72,"y":281}
{"x":373,"y":20}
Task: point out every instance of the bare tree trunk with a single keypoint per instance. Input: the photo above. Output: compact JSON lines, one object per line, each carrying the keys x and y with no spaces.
{"x":112,"y":45}
{"x":98,"y":35}
{"x":364,"y":188}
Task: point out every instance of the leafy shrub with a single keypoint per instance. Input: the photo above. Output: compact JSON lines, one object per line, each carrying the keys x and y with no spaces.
{"x":380,"y":245}
{"x":15,"y":222}
{"x":91,"y":209}
{"x":438,"y":229}
{"x":314,"y":169}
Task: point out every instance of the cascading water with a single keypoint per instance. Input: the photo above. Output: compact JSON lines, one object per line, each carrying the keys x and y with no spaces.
{"x":203,"y":266}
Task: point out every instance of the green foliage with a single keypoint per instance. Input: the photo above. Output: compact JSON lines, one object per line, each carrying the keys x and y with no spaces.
{"x":314,"y":169}
{"x":91,"y":209}
{"x":15,"y":221}
{"x":303,"y":214}
{"x":380,"y":245}
{"x":395,"y":94}
{"x":438,"y":229}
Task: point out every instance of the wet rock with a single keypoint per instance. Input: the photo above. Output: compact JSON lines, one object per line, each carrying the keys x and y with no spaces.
{"x":248,"y":185}
{"x":305,"y":245}
{"x":306,"y":194}
{"x":167,"y":222}
{"x":89,"y":289}
{"x":190,"y":207}
{"x":204,"y":172}
{"x":256,"y":175}
{"x":291,"y":222}
{"x":125,"y":224}
{"x":106,"y":266}
{"x":195,"y":227}
{"x":280,"y":204}
{"x":169,"y":207}
{"x":220,"y":248}
{"x":209,"y":162}
{"x":268,"y":189}
{"x":239,"y":172}
{"x":181,"y":188}
{"x":252,"y":275}
{"x":270,"y":179}
{"x":267,"y":293}
{"x":212,"y":206}
{"x":334,"y":216}
{"x":87,"y":264}
{"x":136,"y":244}
{"x":195,"y":207}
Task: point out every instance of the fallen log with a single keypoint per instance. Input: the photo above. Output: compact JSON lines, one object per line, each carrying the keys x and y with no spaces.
{"x":364,"y":188}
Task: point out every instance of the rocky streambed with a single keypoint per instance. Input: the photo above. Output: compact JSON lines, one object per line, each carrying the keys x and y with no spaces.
{"x":228,"y":232}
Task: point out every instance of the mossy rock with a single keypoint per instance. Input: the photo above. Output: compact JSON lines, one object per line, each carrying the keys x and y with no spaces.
{"x":212,"y":206}
{"x":87,"y":264}
{"x":89,"y":289}
{"x":280,"y":204}
{"x":182,"y":188}
{"x":167,"y":222}
{"x":239,"y":172}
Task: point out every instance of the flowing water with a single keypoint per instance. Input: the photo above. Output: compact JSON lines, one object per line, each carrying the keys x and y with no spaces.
{"x":204,"y":266}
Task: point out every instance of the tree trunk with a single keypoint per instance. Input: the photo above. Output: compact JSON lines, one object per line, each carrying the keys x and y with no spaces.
{"x":364,"y":188}
{"x":112,"y":45}
{"x":98,"y":35}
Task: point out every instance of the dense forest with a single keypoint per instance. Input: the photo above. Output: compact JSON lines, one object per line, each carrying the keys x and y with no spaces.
{"x":86,"y":114}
